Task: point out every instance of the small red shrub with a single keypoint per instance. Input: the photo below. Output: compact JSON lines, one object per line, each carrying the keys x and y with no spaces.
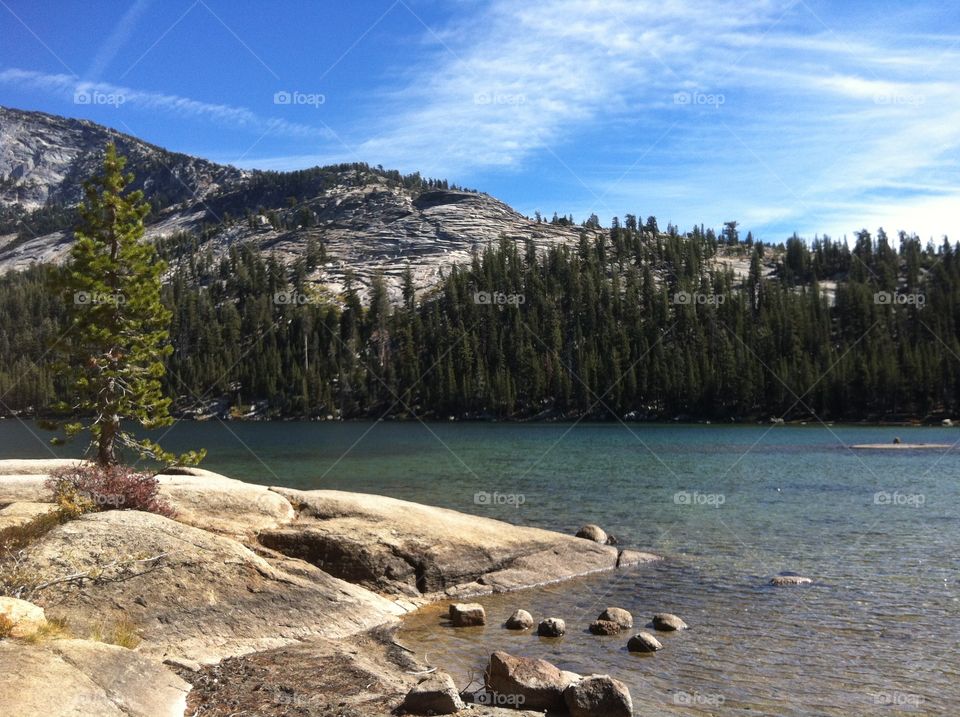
{"x":88,"y":488}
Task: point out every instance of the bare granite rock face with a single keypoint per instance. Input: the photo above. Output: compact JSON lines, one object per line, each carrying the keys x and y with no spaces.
{"x":81,"y":677}
{"x":403,"y":548}
{"x":190,"y":594}
{"x":368,"y":222}
{"x":45,"y":158}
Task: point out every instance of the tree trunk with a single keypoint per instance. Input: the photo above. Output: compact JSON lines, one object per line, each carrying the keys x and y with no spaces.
{"x":106,"y":446}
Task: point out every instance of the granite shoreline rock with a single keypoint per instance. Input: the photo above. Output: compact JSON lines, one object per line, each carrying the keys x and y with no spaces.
{"x":247,"y":575}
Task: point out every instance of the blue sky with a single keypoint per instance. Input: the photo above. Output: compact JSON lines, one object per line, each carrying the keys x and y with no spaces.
{"x":785,"y":115}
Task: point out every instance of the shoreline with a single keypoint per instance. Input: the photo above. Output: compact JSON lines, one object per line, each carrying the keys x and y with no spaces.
{"x":252,"y":576}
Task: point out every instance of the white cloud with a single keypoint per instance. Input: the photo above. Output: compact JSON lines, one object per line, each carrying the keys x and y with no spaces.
{"x":70,"y":88}
{"x":117,"y":39}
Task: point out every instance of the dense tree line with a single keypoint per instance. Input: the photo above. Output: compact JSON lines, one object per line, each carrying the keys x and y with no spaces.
{"x":632,"y":322}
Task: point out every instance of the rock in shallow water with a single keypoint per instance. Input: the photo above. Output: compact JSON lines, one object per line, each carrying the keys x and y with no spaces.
{"x":533,"y":684}
{"x":644,"y":642}
{"x":598,"y":696}
{"x":520,"y":620}
{"x":618,"y":615}
{"x":667,"y":622}
{"x":593,"y":532}
{"x":551,"y":627}
{"x":782,"y":580}
{"x":467,"y":614}
{"x":435,"y":694}
{"x":605,"y":627}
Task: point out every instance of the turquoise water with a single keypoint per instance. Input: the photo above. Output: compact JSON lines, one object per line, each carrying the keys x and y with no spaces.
{"x":729,"y":506}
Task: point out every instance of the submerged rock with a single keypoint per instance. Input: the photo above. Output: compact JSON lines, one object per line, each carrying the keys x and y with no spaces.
{"x":598,"y":696}
{"x":784,"y":580}
{"x":535,"y":684}
{"x":520,"y":620}
{"x":644,"y":642}
{"x":469,"y":614}
{"x":435,"y":694}
{"x":551,"y":627}
{"x":667,"y":622}
{"x":593,"y":532}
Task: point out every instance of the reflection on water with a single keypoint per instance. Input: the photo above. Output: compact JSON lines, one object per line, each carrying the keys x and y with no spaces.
{"x":730,"y":506}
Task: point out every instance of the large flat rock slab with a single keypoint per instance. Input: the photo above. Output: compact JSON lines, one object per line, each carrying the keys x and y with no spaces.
{"x":201,"y":498}
{"x":79,"y":678}
{"x":398,"y":547}
{"x":211,"y":501}
{"x":191,"y":594}
{"x":17,"y":514}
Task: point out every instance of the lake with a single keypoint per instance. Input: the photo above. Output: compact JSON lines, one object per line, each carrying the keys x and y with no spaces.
{"x":727,"y":506}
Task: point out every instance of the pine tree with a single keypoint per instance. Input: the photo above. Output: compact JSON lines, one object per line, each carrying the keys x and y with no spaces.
{"x":118,"y":326}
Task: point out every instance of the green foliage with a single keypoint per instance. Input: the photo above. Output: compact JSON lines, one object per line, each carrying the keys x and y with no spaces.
{"x":116,"y":324}
{"x":598,"y":334}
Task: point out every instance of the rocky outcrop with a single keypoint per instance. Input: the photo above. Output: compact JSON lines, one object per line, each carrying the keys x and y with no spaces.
{"x":44,"y":159}
{"x":80,"y":677}
{"x":403,"y":548}
{"x":538,"y":684}
{"x":190,"y":594}
{"x":598,"y":696}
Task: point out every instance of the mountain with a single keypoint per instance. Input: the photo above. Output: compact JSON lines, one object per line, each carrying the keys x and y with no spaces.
{"x":367,"y":220}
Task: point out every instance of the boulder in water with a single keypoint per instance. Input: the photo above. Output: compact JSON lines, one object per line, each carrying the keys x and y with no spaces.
{"x":668,"y":622}
{"x":520,"y":620}
{"x":551,"y":627}
{"x":468,"y":614}
{"x":593,"y":532}
{"x":644,"y":642}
